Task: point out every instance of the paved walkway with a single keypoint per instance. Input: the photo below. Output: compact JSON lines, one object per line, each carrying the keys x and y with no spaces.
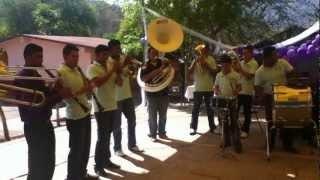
{"x":182,"y":157}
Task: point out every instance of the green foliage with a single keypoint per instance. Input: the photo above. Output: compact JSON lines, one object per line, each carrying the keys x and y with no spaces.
{"x":46,"y":17}
{"x":131,"y":29}
{"x":67,"y":17}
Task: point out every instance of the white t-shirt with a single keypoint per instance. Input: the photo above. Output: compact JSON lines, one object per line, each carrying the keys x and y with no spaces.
{"x":267,"y":76}
{"x":203,"y":79}
{"x":247,"y":84}
{"x":72,"y":79}
{"x":124,"y":91}
{"x":106,"y":93}
{"x":227,"y":83}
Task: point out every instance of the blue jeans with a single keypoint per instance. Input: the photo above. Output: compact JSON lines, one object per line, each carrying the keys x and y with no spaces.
{"x":157,"y":105}
{"x":126,"y":107}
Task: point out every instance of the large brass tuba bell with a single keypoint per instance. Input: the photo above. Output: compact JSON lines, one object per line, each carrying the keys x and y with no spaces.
{"x":165,"y":35}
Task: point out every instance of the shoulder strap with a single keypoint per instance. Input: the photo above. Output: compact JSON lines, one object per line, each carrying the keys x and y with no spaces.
{"x":86,"y":80}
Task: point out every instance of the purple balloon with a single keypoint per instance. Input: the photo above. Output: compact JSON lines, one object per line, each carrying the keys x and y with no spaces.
{"x":304,"y":46}
{"x":291,"y":53}
{"x":317,"y":36}
{"x":282,"y":51}
{"x":317,"y":51}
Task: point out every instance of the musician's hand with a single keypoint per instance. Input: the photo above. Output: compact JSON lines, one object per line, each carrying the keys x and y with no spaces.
{"x":127,"y":60}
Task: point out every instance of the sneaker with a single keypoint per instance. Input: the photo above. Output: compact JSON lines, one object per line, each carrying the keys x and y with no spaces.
{"x":101,"y":172}
{"x":153,"y":139}
{"x":92,"y":177}
{"x":119,"y":153}
{"x":111,"y":165}
{"x":135,"y":149}
{"x":163,"y":136}
{"x":193,"y":132}
{"x":244,"y":135}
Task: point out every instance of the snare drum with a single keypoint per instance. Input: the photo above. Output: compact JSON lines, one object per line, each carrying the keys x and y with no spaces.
{"x":223,"y":103}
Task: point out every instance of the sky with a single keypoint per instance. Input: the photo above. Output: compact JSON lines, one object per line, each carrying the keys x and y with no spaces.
{"x":118,"y":2}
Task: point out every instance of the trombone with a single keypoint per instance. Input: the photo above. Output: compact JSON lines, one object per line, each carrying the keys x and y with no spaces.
{"x":37,"y":98}
{"x":33,"y":102}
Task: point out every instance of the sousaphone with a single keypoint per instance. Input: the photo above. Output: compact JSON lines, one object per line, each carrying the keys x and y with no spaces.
{"x":165,"y":35}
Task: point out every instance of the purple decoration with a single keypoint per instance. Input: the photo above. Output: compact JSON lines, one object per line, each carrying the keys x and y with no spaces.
{"x":317,"y":36}
{"x":302,"y":51}
{"x":317,"y":51}
{"x":282,"y":51}
{"x":304,"y":46}
{"x":291,"y":53}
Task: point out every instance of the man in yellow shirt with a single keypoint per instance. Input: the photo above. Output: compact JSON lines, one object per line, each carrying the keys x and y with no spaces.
{"x":124,"y":99}
{"x":78,"y":118}
{"x":103,"y":76}
{"x":273,"y":71}
{"x":247,"y":69}
{"x":203,"y":69}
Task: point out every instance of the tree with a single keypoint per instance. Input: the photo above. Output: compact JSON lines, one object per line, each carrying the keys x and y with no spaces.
{"x":77,"y":17}
{"x":131,"y":29}
{"x":18,"y":16}
{"x":47,"y":18}
{"x":108,"y":18}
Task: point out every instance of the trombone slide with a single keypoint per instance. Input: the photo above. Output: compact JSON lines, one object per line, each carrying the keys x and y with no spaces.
{"x":5,"y":88}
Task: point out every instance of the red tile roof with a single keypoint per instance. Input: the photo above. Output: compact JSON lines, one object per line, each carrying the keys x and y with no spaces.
{"x":76,"y":40}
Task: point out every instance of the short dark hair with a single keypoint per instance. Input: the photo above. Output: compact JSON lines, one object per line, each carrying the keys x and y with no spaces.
{"x":248,"y":47}
{"x":30,"y":49}
{"x":101,"y":48}
{"x":113,"y":42}
{"x":267,"y":51}
{"x":68,"y":48}
{"x":224,"y":58}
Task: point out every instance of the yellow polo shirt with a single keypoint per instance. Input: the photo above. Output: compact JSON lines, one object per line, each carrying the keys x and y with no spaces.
{"x":227,"y":83}
{"x":106,"y":93}
{"x":203,"y":79}
{"x":277,"y":74}
{"x":124,"y":91}
{"x":72,"y":79}
{"x":247,"y":84}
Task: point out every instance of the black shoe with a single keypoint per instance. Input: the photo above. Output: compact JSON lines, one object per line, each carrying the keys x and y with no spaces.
{"x":91,"y":177}
{"x":111,"y":165}
{"x":238,"y":148}
{"x":193,"y":132}
{"x":163,"y":136}
{"x":101,"y":172}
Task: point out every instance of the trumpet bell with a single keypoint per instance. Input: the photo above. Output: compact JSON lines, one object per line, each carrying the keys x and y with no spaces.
{"x":165,"y":35}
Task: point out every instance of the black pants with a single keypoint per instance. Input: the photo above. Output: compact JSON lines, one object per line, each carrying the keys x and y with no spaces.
{"x":286,"y":134}
{"x":197,"y":97}
{"x":246,"y":102}
{"x":126,"y":107}
{"x":79,"y":144}
{"x":105,"y":121}
{"x":41,"y":149}
{"x":231,"y":127}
